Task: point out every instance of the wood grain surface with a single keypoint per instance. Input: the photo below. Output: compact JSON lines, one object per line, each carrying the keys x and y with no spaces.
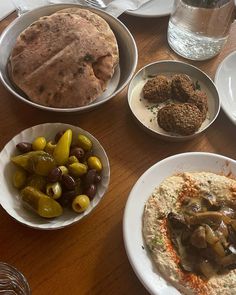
{"x":89,"y":257}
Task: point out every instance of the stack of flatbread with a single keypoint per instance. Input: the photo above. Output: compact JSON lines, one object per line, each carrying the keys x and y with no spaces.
{"x":64,"y":60}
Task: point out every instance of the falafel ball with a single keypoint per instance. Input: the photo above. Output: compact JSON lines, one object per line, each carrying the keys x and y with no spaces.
{"x":183,"y":119}
{"x":182,"y":87}
{"x":199,"y":98}
{"x":157,"y":89}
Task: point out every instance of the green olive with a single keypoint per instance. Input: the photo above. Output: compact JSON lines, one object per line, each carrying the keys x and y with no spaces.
{"x":94,"y":163}
{"x":64,"y":170}
{"x":72,"y":159}
{"x":49,"y":148}
{"x":39,"y":143}
{"x":77,"y":169}
{"x":84,"y":142}
{"x":80,"y":203}
{"x":19,"y":179}
{"x":54,"y":190}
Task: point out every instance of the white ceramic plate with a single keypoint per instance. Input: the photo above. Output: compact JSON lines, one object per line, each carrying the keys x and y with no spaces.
{"x":154,"y":8}
{"x":132,"y":220}
{"x":225,"y":80}
{"x":9,"y":196}
{"x":145,"y":112}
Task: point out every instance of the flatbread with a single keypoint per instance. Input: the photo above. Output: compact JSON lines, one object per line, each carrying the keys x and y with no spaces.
{"x":100,"y":24}
{"x":63,"y":60}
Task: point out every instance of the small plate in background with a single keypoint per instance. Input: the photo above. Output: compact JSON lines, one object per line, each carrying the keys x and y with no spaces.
{"x":146,"y":112}
{"x":225,"y":80}
{"x":153,"y":8}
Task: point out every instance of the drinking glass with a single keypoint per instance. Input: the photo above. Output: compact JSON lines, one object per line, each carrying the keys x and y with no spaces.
{"x":198,"y":29}
{"x":12,"y":282}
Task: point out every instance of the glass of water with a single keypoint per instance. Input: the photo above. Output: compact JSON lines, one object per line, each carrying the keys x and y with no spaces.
{"x":12,"y":282}
{"x":198,"y":29}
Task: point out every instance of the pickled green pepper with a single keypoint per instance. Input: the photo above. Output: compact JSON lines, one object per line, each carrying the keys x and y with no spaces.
{"x":62,"y":150}
{"x":41,"y":203}
{"x":24,"y":159}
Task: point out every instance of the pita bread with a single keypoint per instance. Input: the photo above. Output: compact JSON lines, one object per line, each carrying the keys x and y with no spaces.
{"x":64,"y":60}
{"x":100,"y":24}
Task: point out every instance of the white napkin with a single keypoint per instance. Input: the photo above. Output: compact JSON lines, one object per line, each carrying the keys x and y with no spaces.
{"x":116,"y":7}
{"x":5,"y":9}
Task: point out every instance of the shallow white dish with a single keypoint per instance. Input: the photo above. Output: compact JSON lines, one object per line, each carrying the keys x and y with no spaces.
{"x":132,"y":220}
{"x":225,"y":80}
{"x":145,"y":112}
{"x":154,"y":8}
{"x":9,"y":196}
{"x":123,"y":72}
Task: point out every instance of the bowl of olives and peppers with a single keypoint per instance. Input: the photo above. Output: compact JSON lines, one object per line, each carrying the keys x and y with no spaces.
{"x":59,"y":173}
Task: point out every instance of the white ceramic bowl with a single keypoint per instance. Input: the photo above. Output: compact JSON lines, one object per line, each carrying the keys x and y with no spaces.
{"x":145,"y":113}
{"x":123,"y":72}
{"x":225,"y":80}
{"x":9,"y":196}
{"x":142,"y":190}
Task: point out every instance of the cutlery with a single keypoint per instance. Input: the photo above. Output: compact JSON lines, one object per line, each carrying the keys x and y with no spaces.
{"x":98,"y":3}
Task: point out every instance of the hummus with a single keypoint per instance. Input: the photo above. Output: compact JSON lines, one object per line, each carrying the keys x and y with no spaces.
{"x":168,"y":198}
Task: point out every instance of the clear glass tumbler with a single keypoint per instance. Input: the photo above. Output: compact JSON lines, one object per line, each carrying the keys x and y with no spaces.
{"x":12,"y":282}
{"x":198,"y":29}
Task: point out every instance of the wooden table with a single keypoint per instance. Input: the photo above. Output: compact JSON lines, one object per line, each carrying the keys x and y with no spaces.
{"x":89,"y":257}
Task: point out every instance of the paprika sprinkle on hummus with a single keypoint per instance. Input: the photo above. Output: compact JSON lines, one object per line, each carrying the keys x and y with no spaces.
{"x":189,"y":225}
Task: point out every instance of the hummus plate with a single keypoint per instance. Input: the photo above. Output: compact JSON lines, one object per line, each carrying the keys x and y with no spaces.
{"x":132,"y":222}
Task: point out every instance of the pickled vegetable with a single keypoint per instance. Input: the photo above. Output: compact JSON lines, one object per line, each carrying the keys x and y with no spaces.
{"x":37,"y":181}
{"x":84,"y":142}
{"x":54,"y":190}
{"x":80,"y":203}
{"x":24,"y":159}
{"x":91,"y":191}
{"x":57,"y":173}
{"x":19,"y":178}
{"x":39,"y":143}
{"x":54,"y":175}
{"x":72,"y":159}
{"x":64,"y":169}
{"x":77,"y":169}
{"x":78,"y":152}
{"x":41,"y":203}
{"x":49,"y":148}
{"x":24,"y":147}
{"x":68,"y":181}
{"x":62,"y":150}
{"x":90,"y":177}
{"x":94,"y":163}
{"x":42,"y":164}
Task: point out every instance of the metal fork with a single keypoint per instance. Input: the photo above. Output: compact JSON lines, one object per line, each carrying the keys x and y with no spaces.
{"x":98,"y":3}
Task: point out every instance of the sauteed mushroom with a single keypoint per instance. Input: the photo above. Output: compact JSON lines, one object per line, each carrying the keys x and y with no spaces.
{"x":209,"y":236}
{"x":198,"y":238}
{"x":177,"y":221}
{"x":206,"y":268}
{"x":210,"y":200}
